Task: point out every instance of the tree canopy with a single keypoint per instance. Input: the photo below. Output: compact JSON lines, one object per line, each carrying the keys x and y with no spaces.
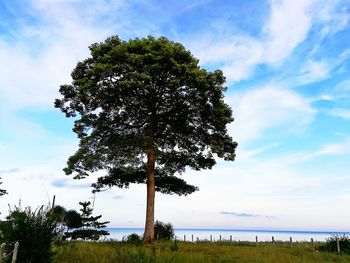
{"x":145,"y":111}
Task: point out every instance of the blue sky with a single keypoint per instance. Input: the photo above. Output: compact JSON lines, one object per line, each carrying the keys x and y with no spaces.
{"x":287,"y":64}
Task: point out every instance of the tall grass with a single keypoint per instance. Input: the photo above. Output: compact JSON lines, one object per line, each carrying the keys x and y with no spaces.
{"x":162,"y":252}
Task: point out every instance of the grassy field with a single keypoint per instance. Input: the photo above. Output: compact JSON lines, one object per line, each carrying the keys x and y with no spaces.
{"x":117,"y":252}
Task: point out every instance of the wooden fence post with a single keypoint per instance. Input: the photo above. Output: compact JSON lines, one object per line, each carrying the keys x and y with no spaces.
{"x":291,"y":242}
{"x":184,"y":238}
{"x":220,"y":238}
{"x":192,"y":238}
{"x":231,"y":238}
{"x":338,"y":246}
{"x":256,"y":241}
{"x":312,"y":243}
{"x":211,"y":238}
{"x":15,"y":251}
{"x":273,"y":240}
{"x":2,"y":251}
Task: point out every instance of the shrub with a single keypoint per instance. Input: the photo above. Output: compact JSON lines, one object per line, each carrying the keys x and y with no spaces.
{"x":35,"y":232}
{"x":331,"y":244}
{"x":133,"y":239}
{"x":163,"y":231}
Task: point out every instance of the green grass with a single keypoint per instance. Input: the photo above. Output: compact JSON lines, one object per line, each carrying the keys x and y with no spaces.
{"x":117,"y":252}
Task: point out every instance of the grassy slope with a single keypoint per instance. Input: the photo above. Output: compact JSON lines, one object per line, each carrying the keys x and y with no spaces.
{"x":192,"y":253}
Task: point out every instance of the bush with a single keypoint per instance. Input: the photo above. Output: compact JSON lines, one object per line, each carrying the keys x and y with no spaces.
{"x":331,"y":244}
{"x":163,"y":231}
{"x":35,"y":232}
{"x":133,"y":239}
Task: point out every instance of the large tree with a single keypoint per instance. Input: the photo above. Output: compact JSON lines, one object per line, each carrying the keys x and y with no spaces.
{"x":144,"y":111}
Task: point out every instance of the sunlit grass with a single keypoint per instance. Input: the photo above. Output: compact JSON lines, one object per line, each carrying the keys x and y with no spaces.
{"x":102,"y":252}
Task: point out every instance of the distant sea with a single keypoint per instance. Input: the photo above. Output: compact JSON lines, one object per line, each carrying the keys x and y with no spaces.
{"x":235,"y":234}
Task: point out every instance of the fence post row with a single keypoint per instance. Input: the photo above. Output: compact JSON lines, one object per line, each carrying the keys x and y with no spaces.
{"x":211,"y":240}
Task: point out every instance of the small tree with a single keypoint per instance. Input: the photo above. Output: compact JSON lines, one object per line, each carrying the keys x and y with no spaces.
{"x":89,"y":228}
{"x":88,"y":220}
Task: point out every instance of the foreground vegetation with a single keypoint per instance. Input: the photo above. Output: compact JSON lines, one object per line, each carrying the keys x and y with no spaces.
{"x":103,"y":252}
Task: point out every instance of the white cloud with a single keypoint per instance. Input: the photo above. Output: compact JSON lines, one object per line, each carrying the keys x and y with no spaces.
{"x":339,"y":148}
{"x":314,"y":71}
{"x":66,"y":30}
{"x":287,"y":27}
{"x":340,"y":112}
{"x":238,"y":54}
{"x":341,"y":90}
{"x":334,"y":149}
{"x":261,"y":109}
{"x":333,"y":14}
{"x":241,"y":53}
{"x":245,"y":154}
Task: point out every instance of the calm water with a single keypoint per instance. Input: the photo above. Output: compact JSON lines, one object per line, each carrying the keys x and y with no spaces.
{"x":237,"y":235}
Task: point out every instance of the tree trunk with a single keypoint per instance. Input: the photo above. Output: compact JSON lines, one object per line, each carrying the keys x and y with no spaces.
{"x":149,"y":226}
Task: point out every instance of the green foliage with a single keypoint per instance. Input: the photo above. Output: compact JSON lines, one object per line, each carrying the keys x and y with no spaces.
{"x":59,"y":213}
{"x":163,"y":231}
{"x":132,"y":96}
{"x":331,"y":244}
{"x":34,"y":230}
{"x":72,"y":219}
{"x":133,"y":238}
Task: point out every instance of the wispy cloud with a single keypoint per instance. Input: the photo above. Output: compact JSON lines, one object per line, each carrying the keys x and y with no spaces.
{"x":273,"y":107}
{"x":62,"y":183}
{"x":340,"y":112}
{"x":334,"y":149}
{"x":314,"y":71}
{"x":10,"y":171}
{"x":117,"y":197}
{"x":282,"y":36}
{"x":250,"y":153}
{"x":236,"y":214}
